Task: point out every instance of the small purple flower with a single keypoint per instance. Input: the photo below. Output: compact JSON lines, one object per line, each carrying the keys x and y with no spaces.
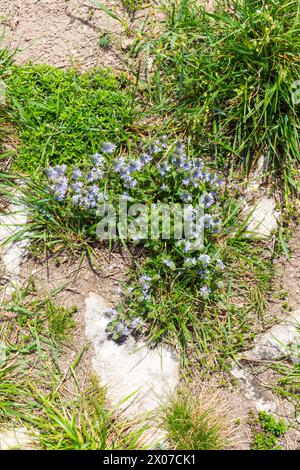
{"x":204,"y":291}
{"x":136,"y":322}
{"x":108,"y":147}
{"x":197,"y":174}
{"x":204,"y":259}
{"x":130,"y":182}
{"x":186,"y":181}
{"x":110,"y":313}
{"x":163,"y":168}
{"x":76,"y":174}
{"x":168,"y":263}
{"x":97,"y":159}
{"x":119,"y":164}
{"x":77,"y":187}
{"x":144,"y":278}
{"x":220,"y":265}
{"x":60,"y":188}
{"x":186,"y":197}
{"x":155,"y":147}
{"x":76,"y":199}
{"x":135,"y":165}
{"x":94,"y":175}
{"x":207,"y":200}
{"x":57,"y":172}
{"x":146,"y":158}
{"x":186,"y":246}
{"x":125,"y":196}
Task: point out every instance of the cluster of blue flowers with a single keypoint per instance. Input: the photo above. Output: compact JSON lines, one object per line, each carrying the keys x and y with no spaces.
{"x":159,"y":172}
{"x":82,"y":188}
{"x":120,"y":330}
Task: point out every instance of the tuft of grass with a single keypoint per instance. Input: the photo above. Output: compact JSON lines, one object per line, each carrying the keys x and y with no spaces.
{"x":58,"y":412}
{"x":228,"y":78}
{"x":105,"y":41}
{"x":60,"y":320}
{"x":196,"y":419}
{"x":132,"y":6}
{"x":288,"y":379}
{"x":83,"y":424}
{"x":6,"y":60}
{"x":63,"y":115}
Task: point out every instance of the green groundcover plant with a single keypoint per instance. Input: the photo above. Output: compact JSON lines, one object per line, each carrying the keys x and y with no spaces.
{"x":231,"y":76}
{"x":63,"y":114}
{"x":271,"y":431}
{"x":6,"y":60}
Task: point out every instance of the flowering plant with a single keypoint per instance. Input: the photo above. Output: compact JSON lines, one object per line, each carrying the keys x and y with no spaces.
{"x":161,"y":173}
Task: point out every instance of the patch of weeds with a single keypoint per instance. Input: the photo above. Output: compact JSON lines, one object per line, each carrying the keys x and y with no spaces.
{"x":6,"y":60}
{"x":63,"y":115}
{"x":271,"y":431}
{"x":105,"y":41}
{"x":52,"y":405}
{"x":13,"y":394}
{"x":288,"y":382}
{"x":60,"y":320}
{"x":230,"y":78}
{"x":196,"y":420}
{"x":176,"y":292}
{"x":132,"y":6}
{"x":82,"y":423}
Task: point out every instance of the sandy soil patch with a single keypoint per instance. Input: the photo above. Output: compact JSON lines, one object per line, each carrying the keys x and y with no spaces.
{"x":66,"y":32}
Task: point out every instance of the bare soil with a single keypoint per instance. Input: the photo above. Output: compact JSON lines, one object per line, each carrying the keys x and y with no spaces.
{"x":66,"y":32}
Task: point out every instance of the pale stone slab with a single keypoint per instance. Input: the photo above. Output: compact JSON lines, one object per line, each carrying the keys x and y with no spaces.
{"x":130,"y":369}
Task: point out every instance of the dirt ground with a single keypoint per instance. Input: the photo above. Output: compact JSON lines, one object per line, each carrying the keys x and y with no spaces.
{"x":66,"y":32}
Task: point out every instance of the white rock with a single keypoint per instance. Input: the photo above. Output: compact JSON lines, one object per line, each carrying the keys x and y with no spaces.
{"x":18,"y":438}
{"x":263,"y":219}
{"x":281,"y":340}
{"x":257,"y":176}
{"x":131,"y":368}
{"x":12,"y":252}
{"x":126,"y":44}
{"x":262,"y":399}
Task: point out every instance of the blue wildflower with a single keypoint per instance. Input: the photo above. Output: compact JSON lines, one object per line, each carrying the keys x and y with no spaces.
{"x":136,"y":322}
{"x":186,"y":197}
{"x":77,"y":187}
{"x":111,"y":312}
{"x":207,"y":200}
{"x":168,"y":263}
{"x":97,"y":159}
{"x":204,"y":259}
{"x":205,"y":291}
{"x":163,"y":168}
{"x":108,"y":147}
{"x":94,"y":175}
{"x":220,"y":265}
{"x":76,"y":174}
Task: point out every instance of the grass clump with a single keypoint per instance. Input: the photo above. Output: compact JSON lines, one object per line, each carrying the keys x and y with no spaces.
{"x":229,"y":77}
{"x":195,"y":419}
{"x":6,"y":60}
{"x":60,"y":320}
{"x":41,"y":390}
{"x":271,"y":430}
{"x":85,"y":423}
{"x":288,"y":378}
{"x":63,"y":115}
{"x":132,"y":6}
